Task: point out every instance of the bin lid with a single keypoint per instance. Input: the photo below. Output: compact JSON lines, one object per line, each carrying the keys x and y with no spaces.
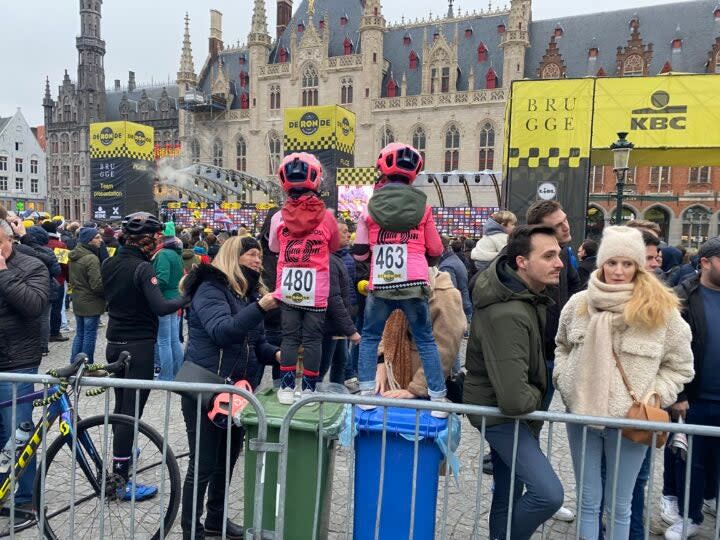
{"x":400,"y":421}
{"x":306,"y":419}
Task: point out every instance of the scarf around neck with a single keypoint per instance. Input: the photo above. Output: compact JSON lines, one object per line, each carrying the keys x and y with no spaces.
{"x":605,"y":304}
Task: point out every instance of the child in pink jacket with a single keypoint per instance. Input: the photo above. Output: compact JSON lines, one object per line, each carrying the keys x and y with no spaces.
{"x":304,"y":234}
{"x":398,"y":231}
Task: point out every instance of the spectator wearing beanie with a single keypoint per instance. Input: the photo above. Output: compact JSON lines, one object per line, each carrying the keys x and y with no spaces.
{"x":88,"y":298}
{"x":108,"y":238}
{"x":57,"y":300}
{"x":626,"y":317}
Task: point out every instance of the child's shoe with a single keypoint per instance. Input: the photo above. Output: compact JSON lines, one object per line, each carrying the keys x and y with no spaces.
{"x":286,"y":392}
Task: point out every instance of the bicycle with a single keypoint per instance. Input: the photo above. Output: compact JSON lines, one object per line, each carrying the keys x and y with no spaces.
{"x":76,"y":483}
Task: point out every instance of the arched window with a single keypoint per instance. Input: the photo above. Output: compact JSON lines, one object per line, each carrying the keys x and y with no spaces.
{"x":487,"y":147}
{"x":66,"y":108}
{"x":387,"y":136}
{"x":346,"y":91}
{"x":452,"y":148}
{"x":419,"y":141}
{"x":491,"y":79}
{"x":282,"y":55}
{"x":695,"y":227}
{"x":64,"y":143}
{"x":54,"y":144}
{"x":218,"y":153}
{"x":347,"y":46}
{"x":659,"y":215}
{"x":310,"y":87}
{"x":392,"y":88}
{"x":413,"y":60}
{"x":241,"y":155}
{"x":634,"y":66}
{"x":274,"y":152}
{"x":75,"y":144}
{"x":195,"y":151}
{"x":275,"y":97}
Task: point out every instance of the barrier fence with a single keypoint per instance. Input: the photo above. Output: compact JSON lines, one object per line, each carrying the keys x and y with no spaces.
{"x":77,"y":487}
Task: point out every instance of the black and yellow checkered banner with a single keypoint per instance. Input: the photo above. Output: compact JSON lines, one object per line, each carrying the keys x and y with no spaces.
{"x":327,"y":142}
{"x":121,"y":140}
{"x":544,"y":157}
{"x":357,"y":176}
{"x":309,"y":129}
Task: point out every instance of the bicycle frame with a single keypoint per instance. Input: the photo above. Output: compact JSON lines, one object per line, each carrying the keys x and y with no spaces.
{"x":61,"y":408}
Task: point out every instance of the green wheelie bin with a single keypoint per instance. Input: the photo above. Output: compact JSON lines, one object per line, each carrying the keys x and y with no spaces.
{"x":302,"y":471}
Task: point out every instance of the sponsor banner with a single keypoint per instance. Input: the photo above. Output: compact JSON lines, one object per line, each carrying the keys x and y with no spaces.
{"x":319,"y":128}
{"x":550,"y":123}
{"x":225,"y":215}
{"x":121,"y":139}
{"x":120,"y":186}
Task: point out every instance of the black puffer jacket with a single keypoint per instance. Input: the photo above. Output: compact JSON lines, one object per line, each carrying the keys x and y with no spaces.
{"x":338,"y":321}
{"x":34,"y":243}
{"x":23,"y":298}
{"x":693,"y":311}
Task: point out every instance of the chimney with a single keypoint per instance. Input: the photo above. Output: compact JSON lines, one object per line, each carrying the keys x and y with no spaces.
{"x":131,"y":81}
{"x":117,"y":85}
{"x":284,"y":14}
{"x":215,"y":44}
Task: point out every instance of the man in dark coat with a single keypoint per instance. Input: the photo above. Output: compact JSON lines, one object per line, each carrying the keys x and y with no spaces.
{"x":24,"y":283}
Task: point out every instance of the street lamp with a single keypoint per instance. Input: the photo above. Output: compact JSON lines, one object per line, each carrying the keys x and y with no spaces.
{"x":621,"y":158}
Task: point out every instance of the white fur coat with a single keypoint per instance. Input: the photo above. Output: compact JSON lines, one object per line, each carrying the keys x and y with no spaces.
{"x":657,"y":360}
{"x":488,"y":247}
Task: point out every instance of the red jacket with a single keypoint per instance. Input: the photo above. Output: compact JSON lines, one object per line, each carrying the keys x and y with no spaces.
{"x":54,"y":244}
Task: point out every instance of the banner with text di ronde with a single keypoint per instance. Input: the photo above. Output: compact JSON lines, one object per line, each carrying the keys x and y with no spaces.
{"x":549,"y":145}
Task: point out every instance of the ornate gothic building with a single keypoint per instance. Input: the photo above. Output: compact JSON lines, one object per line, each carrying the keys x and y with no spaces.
{"x":85,"y":101}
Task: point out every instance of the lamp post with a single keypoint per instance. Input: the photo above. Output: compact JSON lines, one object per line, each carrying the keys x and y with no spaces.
{"x":621,"y":158}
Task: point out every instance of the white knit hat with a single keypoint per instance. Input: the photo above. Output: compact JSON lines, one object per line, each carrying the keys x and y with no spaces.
{"x":621,"y":242}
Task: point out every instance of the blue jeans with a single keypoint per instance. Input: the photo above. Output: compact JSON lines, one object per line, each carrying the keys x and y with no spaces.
{"x":538,"y":493}
{"x":599,"y":443}
{"x":705,"y":458}
{"x":377,"y":311}
{"x":85,"y":336}
{"x":23,"y":413}
{"x":637,"y":521}
{"x":334,"y":357}
{"x":169,"y":349}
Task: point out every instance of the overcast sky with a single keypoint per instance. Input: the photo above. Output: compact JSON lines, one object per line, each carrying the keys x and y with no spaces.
{"x":38,"y":37}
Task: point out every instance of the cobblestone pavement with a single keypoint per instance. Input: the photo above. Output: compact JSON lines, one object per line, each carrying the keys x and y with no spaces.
{"x":461,"y":519}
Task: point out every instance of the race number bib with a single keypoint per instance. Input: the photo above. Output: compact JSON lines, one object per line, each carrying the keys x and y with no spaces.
{"x":298,"y":286}
{"x":389,"y":264}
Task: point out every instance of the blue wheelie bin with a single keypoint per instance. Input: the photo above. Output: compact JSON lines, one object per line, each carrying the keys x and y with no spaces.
{"x":397,"y":483}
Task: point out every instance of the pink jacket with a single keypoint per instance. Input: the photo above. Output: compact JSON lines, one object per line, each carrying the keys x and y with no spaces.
{"x":303,"y":270}
{"x":396,"y":272}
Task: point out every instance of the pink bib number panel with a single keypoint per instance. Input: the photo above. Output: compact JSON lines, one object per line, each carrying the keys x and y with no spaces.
{"x":390,"y":264}
{"x":298,"y":286}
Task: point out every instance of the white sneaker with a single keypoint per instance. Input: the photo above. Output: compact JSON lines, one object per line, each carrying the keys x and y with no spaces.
{"x":669,"y":511}
{"x":710,"y":507}
{"x":675,"y":531}
{"x":439,"y":414}
{"x":564,"y":514}
{"x":363,"y":406}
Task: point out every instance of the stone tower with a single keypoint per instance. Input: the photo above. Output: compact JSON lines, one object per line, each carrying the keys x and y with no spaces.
{"x":186,"y":74}
{"x":91,"y":71}
{"x":515,"y":40}
{"x":258,"y":44}
{"x":372,"y":30}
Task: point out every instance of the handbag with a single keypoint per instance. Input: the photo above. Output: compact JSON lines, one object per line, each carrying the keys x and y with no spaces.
{"x":190,"y":372}
{"x":647,"y":409}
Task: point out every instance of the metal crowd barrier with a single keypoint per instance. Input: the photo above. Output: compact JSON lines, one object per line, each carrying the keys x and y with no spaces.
{"x":262,"y":446}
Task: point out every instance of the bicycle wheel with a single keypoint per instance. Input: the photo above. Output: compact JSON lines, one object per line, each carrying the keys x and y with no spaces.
{"x":79,"y":514}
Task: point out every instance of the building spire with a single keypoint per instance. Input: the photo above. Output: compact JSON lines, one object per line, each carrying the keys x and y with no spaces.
{"x":186,"y":74}
{"x":47,"y":88}
{"x":258,"y":27}
{"x":450,"y":13}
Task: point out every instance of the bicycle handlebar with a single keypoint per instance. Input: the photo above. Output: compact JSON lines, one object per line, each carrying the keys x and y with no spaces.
{"x":65,"y":372}
{"x":120,"y":364}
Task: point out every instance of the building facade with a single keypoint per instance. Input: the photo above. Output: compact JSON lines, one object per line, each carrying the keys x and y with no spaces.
{"x":440,"y":83}
{"x":23,"y":178}
{"x":86,"y":100}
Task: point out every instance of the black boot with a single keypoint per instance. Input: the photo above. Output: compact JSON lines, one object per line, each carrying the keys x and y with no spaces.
{"x":199,"y":534}
{"x":233,"y":531}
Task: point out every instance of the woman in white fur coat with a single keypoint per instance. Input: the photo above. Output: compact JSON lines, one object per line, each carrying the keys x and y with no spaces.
{"x":625,"y":313}
{"x":495,"y":236}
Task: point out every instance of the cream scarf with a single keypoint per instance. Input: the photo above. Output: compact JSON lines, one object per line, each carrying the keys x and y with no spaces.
{"x":605,"y":305}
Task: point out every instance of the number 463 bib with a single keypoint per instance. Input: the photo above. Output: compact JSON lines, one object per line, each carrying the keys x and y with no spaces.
{"x":298,"y":286}
{"x":389,"y":264}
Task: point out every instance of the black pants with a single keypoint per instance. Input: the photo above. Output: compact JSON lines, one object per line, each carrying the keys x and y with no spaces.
{"x":211,"y":466}
{"x":300,"y":327}
{"x":56,"y":304}
{"x":141,"y":367}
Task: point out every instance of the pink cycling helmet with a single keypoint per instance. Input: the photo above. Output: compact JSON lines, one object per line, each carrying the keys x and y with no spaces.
{"x":400,"y":161}
{"x":300,"y":170}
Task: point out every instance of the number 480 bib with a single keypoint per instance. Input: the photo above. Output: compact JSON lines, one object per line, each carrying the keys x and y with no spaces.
{"x":389,"y":264}
{"x":298,"y":286}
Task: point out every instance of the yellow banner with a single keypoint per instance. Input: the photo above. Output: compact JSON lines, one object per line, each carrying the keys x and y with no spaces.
{"x":121,"y":139}
{"x":319,"y":128}
{"x":678,"y":111}
{"x":62,"y":255}
{"x":550,"y":123}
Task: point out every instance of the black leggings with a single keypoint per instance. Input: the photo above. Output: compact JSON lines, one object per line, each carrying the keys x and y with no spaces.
{"x":211,"y":466}
{"x":142,"y":366}
{"x":302,"y":327}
